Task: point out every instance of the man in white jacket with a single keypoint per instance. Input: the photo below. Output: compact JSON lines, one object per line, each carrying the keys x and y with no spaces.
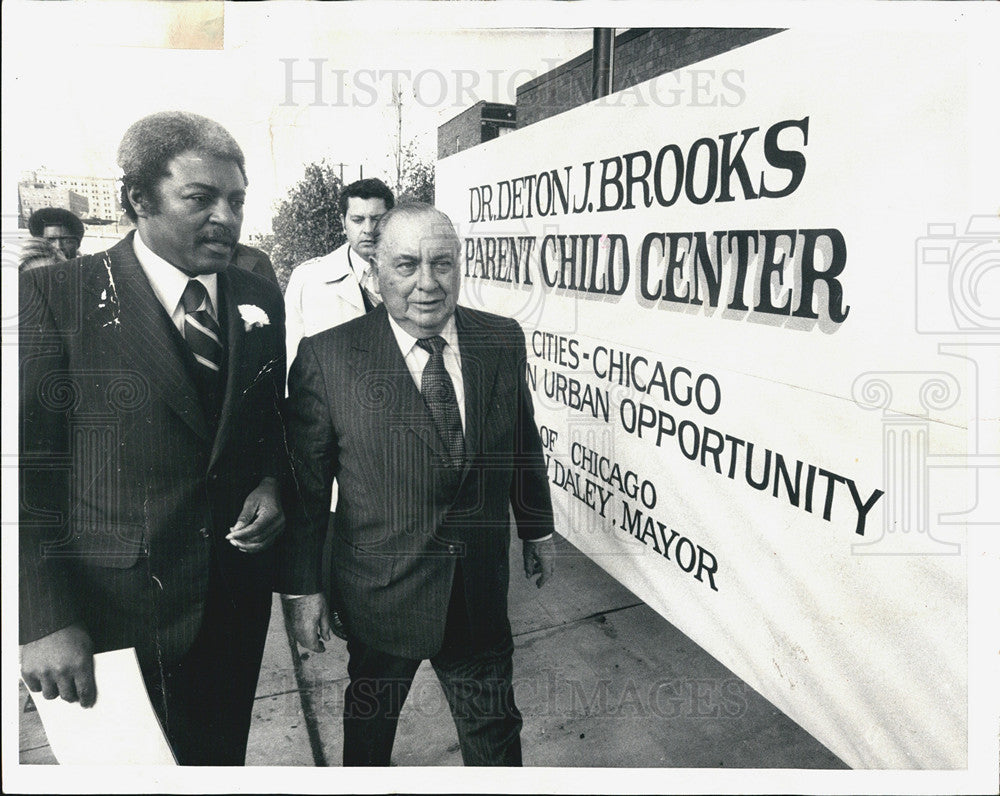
{"x":327,"y":291}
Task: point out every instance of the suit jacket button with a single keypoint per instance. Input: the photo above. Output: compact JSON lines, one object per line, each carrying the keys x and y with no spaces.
{"x":204,"y":533}
{"x":452,"y":549}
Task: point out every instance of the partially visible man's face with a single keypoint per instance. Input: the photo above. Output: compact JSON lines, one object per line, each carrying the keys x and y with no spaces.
{"x":418,"y":272}
{"x":194,"y":220}
{"x":359,"y":224}
{"x":63,"y":239}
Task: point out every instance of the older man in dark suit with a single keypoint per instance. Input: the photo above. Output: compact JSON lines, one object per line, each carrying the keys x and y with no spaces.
{"x":421,"y":412}
{"x":151,"y":447}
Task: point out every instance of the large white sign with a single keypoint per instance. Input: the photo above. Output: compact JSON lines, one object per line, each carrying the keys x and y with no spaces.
{"x":749,"y":291}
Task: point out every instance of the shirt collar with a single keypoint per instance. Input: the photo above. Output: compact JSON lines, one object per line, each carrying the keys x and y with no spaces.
{"x":407,"y":341}
{"x":168,"y":281}
{"x":358,"y":264}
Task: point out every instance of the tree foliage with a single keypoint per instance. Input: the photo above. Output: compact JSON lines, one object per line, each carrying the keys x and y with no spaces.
{"x":306,"y":223}
{"x":417,"y":178}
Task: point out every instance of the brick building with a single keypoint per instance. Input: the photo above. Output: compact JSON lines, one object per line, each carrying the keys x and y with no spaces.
{"x":640,"y":54}
{"x":484,"y":121}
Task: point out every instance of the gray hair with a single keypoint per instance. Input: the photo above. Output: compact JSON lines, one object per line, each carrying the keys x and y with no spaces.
{"x":153,"y":141}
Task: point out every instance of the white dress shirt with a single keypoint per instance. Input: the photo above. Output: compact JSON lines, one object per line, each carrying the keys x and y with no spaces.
{"x":168,"y":283}
{"x":416,"y":358}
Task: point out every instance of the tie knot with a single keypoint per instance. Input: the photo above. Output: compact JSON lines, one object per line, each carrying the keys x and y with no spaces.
{"x":194,"y":296}
{"x":432,"y":345}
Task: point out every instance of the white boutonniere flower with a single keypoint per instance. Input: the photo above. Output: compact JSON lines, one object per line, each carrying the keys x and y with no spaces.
{"x":253,"y":317}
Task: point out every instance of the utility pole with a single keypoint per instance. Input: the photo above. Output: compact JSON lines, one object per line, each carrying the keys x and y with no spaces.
{"x":603,"y":62}
{"x":340,"y":166}
{"x":397,"y":100}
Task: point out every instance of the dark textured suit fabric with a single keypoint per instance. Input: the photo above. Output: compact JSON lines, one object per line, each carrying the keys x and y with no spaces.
{"x":130,"y":482}
{"x":251,"y":259}
{"x":403,"y":517}
{"x":420,"y":550}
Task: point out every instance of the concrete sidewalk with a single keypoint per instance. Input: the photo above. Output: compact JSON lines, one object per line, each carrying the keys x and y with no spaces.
{"x":600,"y":678}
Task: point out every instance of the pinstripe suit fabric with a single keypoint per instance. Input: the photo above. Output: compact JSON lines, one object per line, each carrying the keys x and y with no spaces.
{"x":128,"y":487}
{"x":404,"y":517}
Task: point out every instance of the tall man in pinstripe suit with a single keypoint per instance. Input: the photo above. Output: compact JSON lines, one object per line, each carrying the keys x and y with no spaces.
{"x":421,"y":411}
{"x":151,"y":447}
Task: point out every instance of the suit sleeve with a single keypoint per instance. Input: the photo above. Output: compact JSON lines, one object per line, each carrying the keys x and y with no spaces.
{"x":529,"y":494}
{"x":46,"y":599}
{"x":278,"y":465}
{"x":313,"y":448}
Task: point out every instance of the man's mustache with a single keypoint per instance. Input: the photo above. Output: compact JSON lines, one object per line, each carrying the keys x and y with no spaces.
{"x":217,"y":236}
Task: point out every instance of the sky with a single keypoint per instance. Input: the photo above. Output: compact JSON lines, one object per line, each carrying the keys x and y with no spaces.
{"x":76,"y":75}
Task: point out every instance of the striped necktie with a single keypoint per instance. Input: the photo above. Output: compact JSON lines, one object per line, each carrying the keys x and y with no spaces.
{"x":439,"y":395}
{"x":201,"y":331}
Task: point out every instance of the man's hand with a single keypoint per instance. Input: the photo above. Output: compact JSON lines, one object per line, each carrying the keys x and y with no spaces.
{"x":61,"y":664}
{"x":261,"y":520}
{"x":539,"y":559}
{"x":37,"y":252}
{"x":309,"y":620}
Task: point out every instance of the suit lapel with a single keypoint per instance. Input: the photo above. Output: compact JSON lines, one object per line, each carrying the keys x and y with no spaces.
{"x":479,"y":371}
{"x":147,"y":336}
{"x":381,"y":372}
{"x":238,"y":377}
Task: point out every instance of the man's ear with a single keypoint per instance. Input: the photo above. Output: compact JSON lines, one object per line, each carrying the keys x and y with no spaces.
{"x":143,"y":204}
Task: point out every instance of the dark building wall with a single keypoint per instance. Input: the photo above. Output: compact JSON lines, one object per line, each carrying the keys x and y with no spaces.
{"x":484,"y":121}
{"x":640,"y":54}
{"x":460,"y":132}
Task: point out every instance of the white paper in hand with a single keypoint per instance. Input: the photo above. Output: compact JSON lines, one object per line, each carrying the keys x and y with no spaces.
{"x":120,"y":729}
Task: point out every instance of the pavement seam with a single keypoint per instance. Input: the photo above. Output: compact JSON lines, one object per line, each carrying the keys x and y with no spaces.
{"x":578,"y":621}
{"x":276,"y":694}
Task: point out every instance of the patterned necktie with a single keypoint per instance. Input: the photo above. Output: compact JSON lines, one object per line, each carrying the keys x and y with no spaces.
{"x":200,"y":329}
{"x":439,"y":395}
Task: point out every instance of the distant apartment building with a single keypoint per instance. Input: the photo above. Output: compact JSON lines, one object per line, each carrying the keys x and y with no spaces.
{"x":102,"y":193}
{"x":34,"y":196}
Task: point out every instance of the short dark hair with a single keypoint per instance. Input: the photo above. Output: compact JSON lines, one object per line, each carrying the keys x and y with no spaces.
{"x":366,"y":189}
{"x":54,"y":216}
{"x":153,"y":141}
